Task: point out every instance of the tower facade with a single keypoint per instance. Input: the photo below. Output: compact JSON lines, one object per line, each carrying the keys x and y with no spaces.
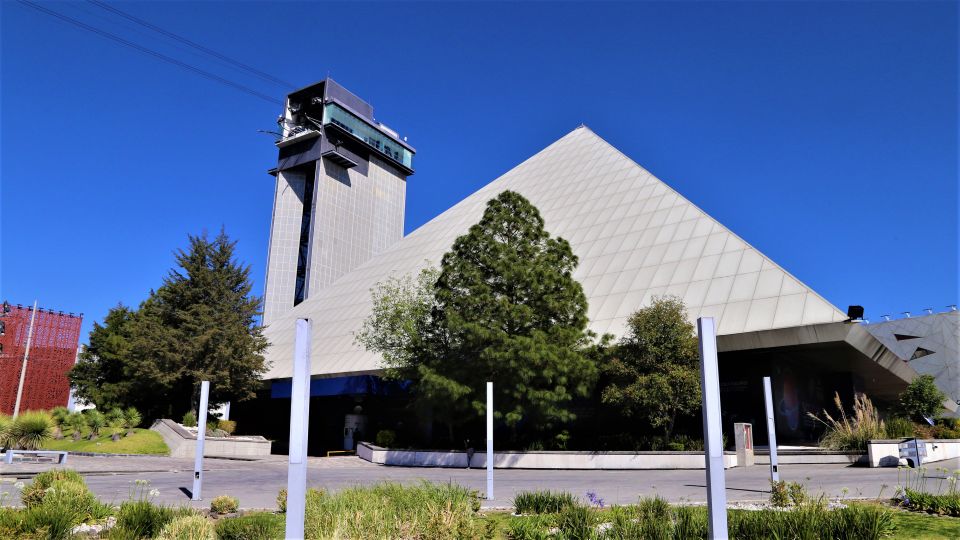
{"x":339,"y":196}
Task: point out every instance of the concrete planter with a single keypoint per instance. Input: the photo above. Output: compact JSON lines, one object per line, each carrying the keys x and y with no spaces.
{"x":183,"y":444}
{"x":886,"y":452}
{"x":539,"y":459}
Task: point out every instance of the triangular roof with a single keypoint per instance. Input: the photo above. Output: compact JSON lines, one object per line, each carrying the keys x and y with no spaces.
{"x":636,"y":238}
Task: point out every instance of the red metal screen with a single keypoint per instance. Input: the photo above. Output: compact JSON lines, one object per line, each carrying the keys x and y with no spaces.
{"x":53,"y":351}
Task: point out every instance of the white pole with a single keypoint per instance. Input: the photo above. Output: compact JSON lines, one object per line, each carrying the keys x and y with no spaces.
{"x":489,"y":441}
{"x":712,"y":429}
{"x":201,"y":439}
{"x":771,"y":430}
{"x":299,"y":424}
{"x":26,"y":354}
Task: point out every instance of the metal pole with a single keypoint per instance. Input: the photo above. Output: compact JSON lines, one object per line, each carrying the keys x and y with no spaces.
{"x":26,"y":354}
{"x":201,"y":439}
{"x":299,"y":424}
{"x":489,"y":441}
{"x":771,"y":430}
{"x":712,"y":429}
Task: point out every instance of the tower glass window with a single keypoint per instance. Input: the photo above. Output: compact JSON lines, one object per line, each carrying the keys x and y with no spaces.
{"x":347,"y":121}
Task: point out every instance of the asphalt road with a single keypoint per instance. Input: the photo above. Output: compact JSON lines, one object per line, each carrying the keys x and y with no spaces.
{"x":256,"y":483}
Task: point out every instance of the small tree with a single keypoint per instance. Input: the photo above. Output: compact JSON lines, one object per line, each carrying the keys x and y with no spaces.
{"x":76,"y":422}
{"x":922,"y":399}
{"x":95,"y":421}
{"x":132,"y":419}
{"x":654,"y":372}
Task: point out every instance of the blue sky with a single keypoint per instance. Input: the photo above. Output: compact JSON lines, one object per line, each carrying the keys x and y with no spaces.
{"x":824,"y":134}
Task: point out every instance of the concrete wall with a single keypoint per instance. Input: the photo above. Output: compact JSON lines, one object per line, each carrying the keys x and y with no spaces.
{"x":539,"y":460}
{"x":886,"y":452}
{"x":183,"y":444}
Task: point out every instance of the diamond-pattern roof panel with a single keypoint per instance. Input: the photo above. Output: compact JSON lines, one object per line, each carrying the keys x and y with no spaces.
{"x":636,"y":238}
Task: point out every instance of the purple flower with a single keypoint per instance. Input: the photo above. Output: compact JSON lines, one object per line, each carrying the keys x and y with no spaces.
{"x":594,"y":499}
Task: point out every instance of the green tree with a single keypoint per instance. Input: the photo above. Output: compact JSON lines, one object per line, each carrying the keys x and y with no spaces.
{"x":922,"y":398}
{"x":508,"y":310}
{"x":199,"y":325}
{"x":399,"y":320}
{"x":101,"y":374}
{"x":654,"y":370}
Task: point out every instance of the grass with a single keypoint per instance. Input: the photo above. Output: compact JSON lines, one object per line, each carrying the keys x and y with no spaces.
{"x":143,"y":441}
{"x":910,"y":526}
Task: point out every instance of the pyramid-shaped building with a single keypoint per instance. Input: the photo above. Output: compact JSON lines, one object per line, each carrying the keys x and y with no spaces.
{"x":337,"y":232}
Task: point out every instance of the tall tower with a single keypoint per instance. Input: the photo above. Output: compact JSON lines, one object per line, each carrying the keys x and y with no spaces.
{"x":340,"y":191}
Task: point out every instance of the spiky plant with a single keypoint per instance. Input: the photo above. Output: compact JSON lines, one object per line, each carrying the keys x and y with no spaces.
{"x":855,"y":431}
{"x":5,"y":439}
{"x":29,"y":430}
{"x":58,"y":415}
{"x":96,"y":421}
{"x":133,"y":418}
{"x":76,"y":422}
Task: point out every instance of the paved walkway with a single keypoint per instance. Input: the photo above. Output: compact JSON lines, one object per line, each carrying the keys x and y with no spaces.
{"x":256,"y":483}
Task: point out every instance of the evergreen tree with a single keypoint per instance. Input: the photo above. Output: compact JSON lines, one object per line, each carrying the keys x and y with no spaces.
{"x":100,"y":375}
{"x":199,"y":325}
{"x":507,"y":310}
{"x":654,"y":372}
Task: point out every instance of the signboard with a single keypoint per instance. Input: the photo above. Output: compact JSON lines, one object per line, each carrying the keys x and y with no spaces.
{"x":913,"y":450}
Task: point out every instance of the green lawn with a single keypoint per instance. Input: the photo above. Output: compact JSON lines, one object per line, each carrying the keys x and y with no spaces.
{"x":143,"y":441}
{"x":911,"y":525}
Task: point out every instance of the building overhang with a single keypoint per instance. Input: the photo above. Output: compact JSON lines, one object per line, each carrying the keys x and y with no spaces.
{"x":836,"y":346}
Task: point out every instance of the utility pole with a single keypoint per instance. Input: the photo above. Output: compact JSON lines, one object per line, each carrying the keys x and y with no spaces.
{"x":26,"y":355}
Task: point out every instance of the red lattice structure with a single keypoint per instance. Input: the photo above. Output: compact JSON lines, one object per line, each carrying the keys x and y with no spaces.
{"x":53,"y":351}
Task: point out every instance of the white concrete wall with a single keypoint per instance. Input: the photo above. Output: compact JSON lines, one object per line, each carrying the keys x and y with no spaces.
{"x":539,"y":460}
{"x":886,"y":453}
{"x":183,"y":444}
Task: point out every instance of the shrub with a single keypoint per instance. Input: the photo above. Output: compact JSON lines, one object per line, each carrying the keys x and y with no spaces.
{"x":142,"y":519}
{"x":899,"y":428}
{"x":5,"y":422}
{"x":95,"y":421}
{"x":224,"y":504}
{"x":542,"y":502}
{"x":778,"y":493}
{"x":386,"y":438}
{"x":257,"y":526}
{"x":227,"y":426}
{"x":192,"y":527}
{"x":29,"y":430}
{"x":189,"y":419}
{"x":798,"y":493}
{"x":577,"y":522}
{"x":922,"y":399}
{"x":282,"y":501}
{"x":530,"y":528}
{"x":852,"y":432}
{"x":34,"y":492}
{"x":435,"y":511}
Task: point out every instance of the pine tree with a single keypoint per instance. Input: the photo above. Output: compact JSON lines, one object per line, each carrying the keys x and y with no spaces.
{"x":199,"y":325}
{"x":508,"y":310}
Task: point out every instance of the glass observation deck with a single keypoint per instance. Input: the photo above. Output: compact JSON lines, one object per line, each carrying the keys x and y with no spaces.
{"x":373,"y":137}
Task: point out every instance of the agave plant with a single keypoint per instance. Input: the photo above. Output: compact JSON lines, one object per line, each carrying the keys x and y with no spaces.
{"x":29,"y":430}
{"x":133,"y":419}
